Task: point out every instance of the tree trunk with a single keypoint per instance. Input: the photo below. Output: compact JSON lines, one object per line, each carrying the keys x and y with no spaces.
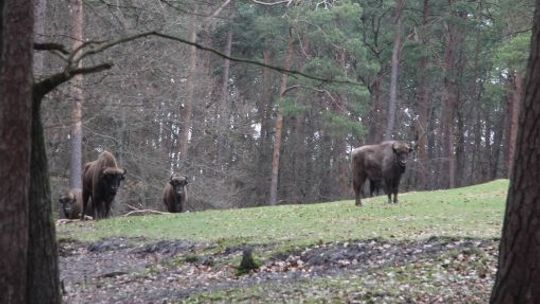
{"x":75,"y":164}
{"x":264,"y":109}
{"x":16,"y":26}
{"x":497,"y":146}
{"x":223,"y":121}
{"x":449,"y":100}
{"x":43,"y":285}
{"x":39,"y":30}
{"x":513,"y":110}
{"x":279,"y":126}
{"x":519,"y":263}
{"x":396,"y":55}
{"x":423,"y":106}
{"x":187,"y":111}
{"x":377,"y":117}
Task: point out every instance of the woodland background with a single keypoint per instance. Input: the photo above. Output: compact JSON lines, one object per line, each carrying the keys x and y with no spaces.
{"x":447,"y":74}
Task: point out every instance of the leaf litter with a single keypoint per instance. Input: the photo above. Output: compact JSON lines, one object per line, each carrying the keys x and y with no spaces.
{"x":135,"y":270}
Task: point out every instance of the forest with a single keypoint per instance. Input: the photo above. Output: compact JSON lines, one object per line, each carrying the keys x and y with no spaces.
{"x":283,"y":106}
{"x":445,"y":74}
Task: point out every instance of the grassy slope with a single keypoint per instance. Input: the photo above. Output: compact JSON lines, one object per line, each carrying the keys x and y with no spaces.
{"x":474,"y":211}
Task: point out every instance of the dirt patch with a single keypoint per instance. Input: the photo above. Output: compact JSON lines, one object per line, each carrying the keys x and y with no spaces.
{"x":136,"y":271}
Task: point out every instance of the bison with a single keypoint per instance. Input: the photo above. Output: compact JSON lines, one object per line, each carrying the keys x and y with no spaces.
{"x":71,"y":204}
{"x":381,"y":164}
{"x":175,"y":193}
{"x":101,"y":180}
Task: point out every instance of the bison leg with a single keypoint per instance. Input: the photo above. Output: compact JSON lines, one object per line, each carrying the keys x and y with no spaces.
{"x":358,"y":181}
{"x":107,"y":208}
{"x":85,"y":197}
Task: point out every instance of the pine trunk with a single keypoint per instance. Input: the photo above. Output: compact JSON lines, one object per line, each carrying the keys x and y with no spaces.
{"x":223,"y":123}
{"x":513,"y":110}
{"x":450,"y":101}
{"x":16,"y":25}
{"x":279,"y":127}
{"x":75,"y":165}
{"x":378,"y":117}
{"x":423,"y":107}
{"x":187,"y":110}
{"x":396,"y":55}
{"x":519,"y":266}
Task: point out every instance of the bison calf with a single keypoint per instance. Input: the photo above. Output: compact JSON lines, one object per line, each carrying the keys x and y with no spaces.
{"x":71,"y":204}
{"x":101,"y":180}
{"x":384,"y":162}
{"x":175,"y":193}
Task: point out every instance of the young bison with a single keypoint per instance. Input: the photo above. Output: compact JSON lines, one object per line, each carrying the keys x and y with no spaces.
{"x":384,"y":162}
{"x":71,"y":204}
{"x":101,"y":180}
{"x":175,"y":193}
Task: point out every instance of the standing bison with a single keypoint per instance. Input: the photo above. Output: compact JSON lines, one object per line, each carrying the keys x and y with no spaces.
{"x":381,"y":164}
{"x":101,"y":180}
{"x":71,"y":204}
{"x":175,"y":193}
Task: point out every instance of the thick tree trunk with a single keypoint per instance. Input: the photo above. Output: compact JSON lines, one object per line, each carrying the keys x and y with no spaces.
{"x":279,"y":126}
{"x":519,"y":263}
{"x":16,"y":25}
{"x":187,"y":111}
{"x":396,"y":55}
{"x":75,"y":164}
{"x":43,"y":284}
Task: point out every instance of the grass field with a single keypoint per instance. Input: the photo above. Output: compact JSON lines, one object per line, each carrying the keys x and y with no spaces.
{"x":432,"y":247}
{"x":474,"y":211}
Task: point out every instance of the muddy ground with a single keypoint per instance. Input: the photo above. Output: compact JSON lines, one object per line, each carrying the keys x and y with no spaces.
{"x":437,"y":270}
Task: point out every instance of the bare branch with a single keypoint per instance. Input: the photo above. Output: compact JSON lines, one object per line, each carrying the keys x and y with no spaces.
{"x":273,"y":3}
{"x":219,"y":9}
{"x":48,"y":84}
{"x":99,"y":46}
{"x":50,"y":46}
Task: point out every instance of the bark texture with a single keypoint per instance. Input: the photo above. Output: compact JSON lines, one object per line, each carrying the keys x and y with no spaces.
{"x":77,"y":95}
{"x":519,"y":263}
{"x":16,"y":28}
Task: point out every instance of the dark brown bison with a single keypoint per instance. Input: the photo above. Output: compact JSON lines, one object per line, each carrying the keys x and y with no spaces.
{"x":71,"y":204}
{"x":101,"y":180}
{"x":175,"y":193}
{"x":381,"y":164}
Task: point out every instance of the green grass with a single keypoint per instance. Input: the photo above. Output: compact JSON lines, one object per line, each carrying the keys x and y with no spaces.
{"x":474,"y":211}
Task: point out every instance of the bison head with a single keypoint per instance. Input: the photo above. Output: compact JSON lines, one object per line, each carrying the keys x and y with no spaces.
{"x":401,"y":150}
{"x":67,"y":203}
{"x":111,"y":179}
{"x":179,"y":183}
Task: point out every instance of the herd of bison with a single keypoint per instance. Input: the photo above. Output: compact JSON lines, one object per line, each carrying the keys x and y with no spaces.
{"x":381,"y":164}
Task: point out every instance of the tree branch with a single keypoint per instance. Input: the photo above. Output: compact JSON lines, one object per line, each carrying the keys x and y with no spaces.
{"x":48,"y":84}
{"x":50,"y":46}
{"x":273,"y":3}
